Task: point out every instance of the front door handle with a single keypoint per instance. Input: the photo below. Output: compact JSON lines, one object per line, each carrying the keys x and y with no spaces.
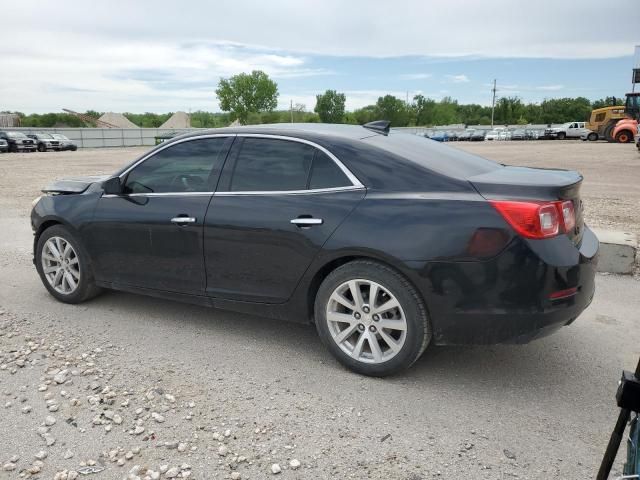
{"x":183,"y":220}
{"x":306,"y":221}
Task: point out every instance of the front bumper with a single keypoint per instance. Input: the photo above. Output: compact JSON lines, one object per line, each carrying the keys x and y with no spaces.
{"x":507,"y":299}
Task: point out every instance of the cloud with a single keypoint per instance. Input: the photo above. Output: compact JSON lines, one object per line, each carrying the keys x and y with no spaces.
{"x":550,"y":88}
{"x":415,"y":76}
{"x":123,"y":55}
{"x":457,"y":78}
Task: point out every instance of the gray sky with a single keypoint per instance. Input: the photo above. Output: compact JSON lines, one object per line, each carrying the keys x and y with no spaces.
{"x":162,"y":56}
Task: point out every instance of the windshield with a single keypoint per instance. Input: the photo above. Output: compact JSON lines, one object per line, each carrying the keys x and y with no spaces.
{"x":16,"y":135}
{"x":43,"y":135}
{"x":59,"y":136}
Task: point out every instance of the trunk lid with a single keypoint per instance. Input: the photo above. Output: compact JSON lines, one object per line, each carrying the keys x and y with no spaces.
{"x":537,"y":184}
{"x":73,"y":185}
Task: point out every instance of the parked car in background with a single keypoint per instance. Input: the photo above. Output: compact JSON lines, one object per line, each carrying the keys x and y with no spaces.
{"x":453,"y":136}
{"x":18,"y":141}
{"x":305,"y":222}
{"x":440,"y":136}
{"x":504,"y":135}
{"x":464,"y":136}
{"x":589,"y":135}
{"x":492,"y":135}
{"x":477,"y":136}
{"x":4,"y":146}
{"x":518,"y":134}
{"x":44,"y":141}
{"x":532,"y":134}
{"x":567,"y":130}
{"x":65,"y":143}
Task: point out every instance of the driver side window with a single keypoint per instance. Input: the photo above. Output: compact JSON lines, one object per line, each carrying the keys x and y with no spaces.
{"x":190,"y":166}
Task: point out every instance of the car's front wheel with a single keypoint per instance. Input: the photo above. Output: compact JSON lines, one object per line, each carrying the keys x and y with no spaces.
{"x":371,"y":318}
{"x":64,"y":266}
{"x":592,"y":137}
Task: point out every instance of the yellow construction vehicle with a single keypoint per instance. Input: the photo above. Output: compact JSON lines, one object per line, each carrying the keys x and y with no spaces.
{"x":602,"y":122}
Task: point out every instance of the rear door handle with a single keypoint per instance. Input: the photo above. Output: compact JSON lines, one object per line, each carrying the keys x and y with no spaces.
{"x":183,"y":220}
{"x":306,"y":221}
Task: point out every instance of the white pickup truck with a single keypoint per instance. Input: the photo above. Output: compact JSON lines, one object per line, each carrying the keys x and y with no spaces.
{"x":567,"y":130}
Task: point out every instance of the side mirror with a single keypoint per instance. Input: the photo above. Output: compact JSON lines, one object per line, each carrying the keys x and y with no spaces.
{"x":112,"y":186}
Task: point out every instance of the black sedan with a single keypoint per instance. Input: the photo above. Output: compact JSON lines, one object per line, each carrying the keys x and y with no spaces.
{"x":387,"y":242}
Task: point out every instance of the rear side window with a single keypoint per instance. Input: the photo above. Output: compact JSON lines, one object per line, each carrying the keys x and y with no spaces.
{"x":183,"y":167}
{"x":272,"y":165}
{"x":325,"y":173}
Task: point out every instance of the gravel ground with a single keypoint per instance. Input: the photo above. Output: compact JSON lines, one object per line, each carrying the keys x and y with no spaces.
{"x":140,"y":387}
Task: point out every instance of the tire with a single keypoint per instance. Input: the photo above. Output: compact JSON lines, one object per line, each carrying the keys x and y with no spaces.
{"x":607,"y":133}
{"x":42,"y":148}
{"x":592,"y":137}
{"x":561,"y":136}
{"x":625,"y":136}
{"x":82,"y":275}
{"x":360,"y":319}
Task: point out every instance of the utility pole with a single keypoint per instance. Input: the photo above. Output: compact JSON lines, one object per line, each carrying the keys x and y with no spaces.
{"x":493,"y":102}
{"x":291,"y":108}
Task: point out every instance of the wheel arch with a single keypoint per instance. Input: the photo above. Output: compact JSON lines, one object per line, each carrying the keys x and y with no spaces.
{"x":323,"y":271}
{"x":47,"y":223}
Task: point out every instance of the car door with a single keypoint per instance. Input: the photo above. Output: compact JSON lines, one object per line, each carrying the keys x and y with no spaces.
{"x":150,"y":235}
{"x":278,"y":201}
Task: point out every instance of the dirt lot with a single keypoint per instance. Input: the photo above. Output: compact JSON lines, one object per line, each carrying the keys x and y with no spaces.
{"x":139,"y":386}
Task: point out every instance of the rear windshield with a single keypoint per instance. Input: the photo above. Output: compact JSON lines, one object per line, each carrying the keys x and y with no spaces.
{"x":433,"y":155}
{"x":43,"y":135}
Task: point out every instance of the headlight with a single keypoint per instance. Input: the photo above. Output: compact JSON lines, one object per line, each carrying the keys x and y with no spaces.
{"x":35,"y":201}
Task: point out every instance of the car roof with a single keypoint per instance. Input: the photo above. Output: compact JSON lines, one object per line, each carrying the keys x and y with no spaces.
{"x":302,"y":130}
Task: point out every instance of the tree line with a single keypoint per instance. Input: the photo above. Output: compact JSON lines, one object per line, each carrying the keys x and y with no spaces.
{"x":251,"y":98}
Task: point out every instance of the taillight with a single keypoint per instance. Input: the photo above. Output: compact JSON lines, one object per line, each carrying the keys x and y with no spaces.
{"x":568,"y":215}
{"x":537,"y":219}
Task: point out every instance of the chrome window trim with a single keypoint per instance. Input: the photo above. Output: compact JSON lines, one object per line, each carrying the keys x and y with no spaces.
{"x":164,"y":194}
{"x":170,"y":144}
{"x":355,"y":183}
{"x":289,"y":192}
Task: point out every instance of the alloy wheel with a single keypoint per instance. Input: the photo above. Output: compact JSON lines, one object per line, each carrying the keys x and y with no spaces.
{"x":366,"y":321}
{"x":61,"y":265}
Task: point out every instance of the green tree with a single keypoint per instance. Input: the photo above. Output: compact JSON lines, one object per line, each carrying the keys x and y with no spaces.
{"x":244,"y":93}
{"x":561,"y":110}
{"x":607,"y":102}
{"x":446,"y":112}
{"x":424,"y":110}
{"x":330,"y":106}
{"x":392,"y":109}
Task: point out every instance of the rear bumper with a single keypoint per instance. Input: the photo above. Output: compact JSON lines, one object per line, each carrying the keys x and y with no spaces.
{"x":507,"y":299}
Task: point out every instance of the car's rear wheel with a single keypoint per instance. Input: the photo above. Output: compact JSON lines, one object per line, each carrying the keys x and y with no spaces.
{"x":371,"y":318}
{"x":64,"y":266}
